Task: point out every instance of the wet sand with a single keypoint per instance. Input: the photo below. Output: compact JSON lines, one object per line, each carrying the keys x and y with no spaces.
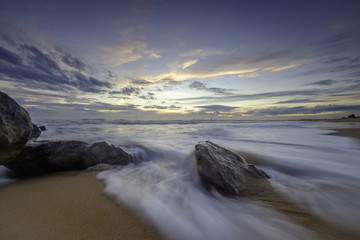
{"x":347,"y":132}
{"x":66,"y":205}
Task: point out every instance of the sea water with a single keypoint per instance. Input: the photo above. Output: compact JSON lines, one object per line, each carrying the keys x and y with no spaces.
{"x":316,"y":171}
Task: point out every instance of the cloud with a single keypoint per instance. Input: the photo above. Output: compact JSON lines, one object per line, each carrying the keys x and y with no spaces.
{"x":162,"y":107}
{"x":33,"y":67}
{"x":188,"y":63}
{"x":9,"y":57}
{"x":306,"y":100}
{"x":217,"y":108}
{"x":94,"y":106}
{"x":141,"y":82}
{"x":148,"y":96}
{"x":201,"y":86}
{"x":129,"y":52}
{"x":282,"y":68}
{"x":248,"y":75}
{"x":323,"y":82}
{"x":127,"y":91}
{"x":180,"y":76}
{"x":304,"y":110}
{"x":201,"y":53}
{"x":71,"y":60}
{"x":335,"y":39}
{"x":264,"y":95}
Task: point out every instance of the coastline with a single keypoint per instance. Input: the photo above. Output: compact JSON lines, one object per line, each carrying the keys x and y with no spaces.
{"x":66,"y":205}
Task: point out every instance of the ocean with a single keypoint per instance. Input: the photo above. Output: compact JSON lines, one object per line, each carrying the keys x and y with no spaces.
{"x":317,"y":172}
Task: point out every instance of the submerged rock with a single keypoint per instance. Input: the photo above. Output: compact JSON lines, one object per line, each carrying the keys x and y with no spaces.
{"x":15,"y":123}
{"x":228,"y":171}
{"x":36,"y":132}
{"x":66,"y":155}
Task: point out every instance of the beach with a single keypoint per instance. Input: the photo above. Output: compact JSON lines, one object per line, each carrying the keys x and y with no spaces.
{"x":66,"y":205}
{"x":73,"y":205}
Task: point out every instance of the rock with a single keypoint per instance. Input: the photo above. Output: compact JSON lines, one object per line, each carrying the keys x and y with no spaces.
{"x":107,"y":153}
{"x":36,"y":132}
{"x":42,"y":128}
{"x":65,"y":155}
{"x":100,"y":167}
{"x":15,"y":123}
{"x":227,"y":171}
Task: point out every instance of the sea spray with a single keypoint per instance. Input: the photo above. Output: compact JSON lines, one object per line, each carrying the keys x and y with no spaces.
{"x":169,"y":193}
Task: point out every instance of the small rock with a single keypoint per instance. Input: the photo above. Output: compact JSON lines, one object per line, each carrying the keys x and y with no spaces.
{"x":42,"y":128}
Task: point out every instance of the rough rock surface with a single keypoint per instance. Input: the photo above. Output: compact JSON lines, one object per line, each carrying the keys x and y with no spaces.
{"x":15,"y":123}
{"x":66,"y":155}
{"x":100,"y":167}
{"x":227,"y":171}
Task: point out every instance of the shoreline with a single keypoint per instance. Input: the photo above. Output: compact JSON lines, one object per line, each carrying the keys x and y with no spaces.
{"x":67,"y":205}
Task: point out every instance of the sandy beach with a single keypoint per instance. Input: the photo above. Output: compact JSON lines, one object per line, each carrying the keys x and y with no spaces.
{"x":72,"y":205}
{"x":66,"y":205}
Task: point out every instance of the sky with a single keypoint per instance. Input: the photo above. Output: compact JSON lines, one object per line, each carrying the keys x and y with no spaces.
{"x":183,"y":60}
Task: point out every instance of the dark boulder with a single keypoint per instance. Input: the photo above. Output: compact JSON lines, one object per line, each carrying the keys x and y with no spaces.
{"x":65,"y":155}
{"x":42,"y":128}
{"x":227,"y":171}
{"x":15,"y":123}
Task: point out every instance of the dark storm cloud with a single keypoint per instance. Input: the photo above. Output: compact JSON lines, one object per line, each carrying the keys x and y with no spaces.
{"x":304,"y":110}
{"x":71,"y":60}
{"x":323,"y":82}
{"x":88,"y":84}
{"x":201,"y":86}
{"x":217,"y":108}
{"x":33,"y":67}
{"x":41,"y":60}
{"x":10,"y":57}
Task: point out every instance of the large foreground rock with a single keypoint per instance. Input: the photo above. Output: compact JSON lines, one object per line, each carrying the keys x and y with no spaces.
{"x":66,"y":155}
{"x":227,"y":171}
{"x":15,"y":123}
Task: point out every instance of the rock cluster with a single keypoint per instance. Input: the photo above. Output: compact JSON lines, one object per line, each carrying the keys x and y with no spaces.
{"x":16,"y":128}
{"x":227,"y":171}
{"x":66,"y":155}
